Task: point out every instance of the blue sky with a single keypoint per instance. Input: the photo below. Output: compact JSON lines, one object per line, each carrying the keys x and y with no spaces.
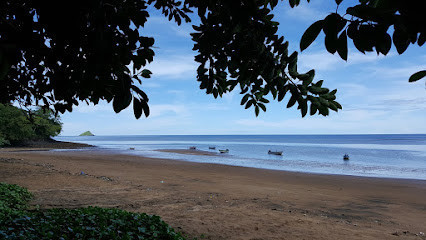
{"x":373,"y":90}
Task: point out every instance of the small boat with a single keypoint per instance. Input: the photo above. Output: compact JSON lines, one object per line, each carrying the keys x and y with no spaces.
{"x":224,"y":150}
{"x":192,"y":148}
{"x":275,"y":152}
{"x":132,"y":148}
{"x":346,"y":157}
{"x":212,"y":148}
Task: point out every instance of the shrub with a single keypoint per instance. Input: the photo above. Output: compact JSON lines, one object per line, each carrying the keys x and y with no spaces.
{"x":80,"y":223}
{"x":18,"y":125}
{"x":13,"y":200}
{"x":3,"y":141}
{"x":14,"y":126}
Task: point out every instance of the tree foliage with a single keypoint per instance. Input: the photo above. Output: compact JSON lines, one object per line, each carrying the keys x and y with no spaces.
{"x":81,"y":51}
{"x":18,"y":125}
{"x":55,"y":53}
{"x":369,"y":25}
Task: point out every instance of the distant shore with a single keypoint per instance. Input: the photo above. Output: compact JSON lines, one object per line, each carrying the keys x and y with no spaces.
{"x":45,"y":146}
{"x":223,"y":202}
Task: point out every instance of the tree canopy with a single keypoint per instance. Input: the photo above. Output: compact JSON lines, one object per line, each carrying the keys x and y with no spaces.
{"x":368,"y":24}
{"x":57,"y":53}
{"x":18,"y":125}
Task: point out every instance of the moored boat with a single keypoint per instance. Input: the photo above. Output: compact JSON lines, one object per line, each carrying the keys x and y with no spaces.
{"x":192,"y":148}
{"x":224,"y":150}
{"x":346,"y":157}
{"x":275,"y":152}
{"x":212,"y":148}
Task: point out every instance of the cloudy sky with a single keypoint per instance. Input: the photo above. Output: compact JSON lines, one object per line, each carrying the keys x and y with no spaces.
{"x":373,"y":90}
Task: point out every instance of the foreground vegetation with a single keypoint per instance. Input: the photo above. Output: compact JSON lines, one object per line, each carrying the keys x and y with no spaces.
{"x":18,"y":125}
{"x":18,"y":222}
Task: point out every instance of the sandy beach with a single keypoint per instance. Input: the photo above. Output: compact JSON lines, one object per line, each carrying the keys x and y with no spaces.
{"x":211,"y":201}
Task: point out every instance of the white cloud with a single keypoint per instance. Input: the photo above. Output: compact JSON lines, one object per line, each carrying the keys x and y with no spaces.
{"x":397,"y":71}
{"x":148,"y":83}
{"x":323,"y":60}
{"x":158,"y":110}
{"x":174,"y":66}
{"x":162,"y":22}
{"x":304,"y":12}
{"x":356,"y":121}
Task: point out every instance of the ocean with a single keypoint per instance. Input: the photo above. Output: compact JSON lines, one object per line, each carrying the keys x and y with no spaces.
{"x":388,"y":156}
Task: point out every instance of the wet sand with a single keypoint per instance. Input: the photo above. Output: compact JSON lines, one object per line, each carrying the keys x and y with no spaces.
{"x":211,"y":201}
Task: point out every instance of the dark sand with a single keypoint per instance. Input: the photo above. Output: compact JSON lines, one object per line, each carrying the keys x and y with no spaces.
{"x":224,"y":202}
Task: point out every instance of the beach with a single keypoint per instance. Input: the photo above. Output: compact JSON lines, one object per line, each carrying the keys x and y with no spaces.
{"x":213,"y":201}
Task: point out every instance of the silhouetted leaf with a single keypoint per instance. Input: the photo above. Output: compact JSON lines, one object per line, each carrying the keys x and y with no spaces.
{"x":331,"y":43}
{"x":417,"y":76}
{"x":137,"y":108}
{"x":292,"y":101}
{"x":342,"y":46}
{"x":311,"y":34}
{"x":146,"y":73}
{"x":400,"y":40}
{"x":145,"y":108}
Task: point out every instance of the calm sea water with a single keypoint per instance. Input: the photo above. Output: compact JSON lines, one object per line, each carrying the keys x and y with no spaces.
{"x":394,"y":156}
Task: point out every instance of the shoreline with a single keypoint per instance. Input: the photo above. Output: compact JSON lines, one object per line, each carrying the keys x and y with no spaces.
{"x":222,"y":201}
{"x":63,"y":145}
{"x":209,"y":153}
{"x":45,"y":145}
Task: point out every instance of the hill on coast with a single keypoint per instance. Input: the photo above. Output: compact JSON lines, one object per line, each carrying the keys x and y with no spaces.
{"x":87,"y":133}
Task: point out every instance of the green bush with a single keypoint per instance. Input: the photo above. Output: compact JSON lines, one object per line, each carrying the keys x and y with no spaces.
{"x":13,"y":201}
{"x":14,"y":126}
{"x":18,"y":125}
{"x":3,"y":141}
{"x":80,"y":223}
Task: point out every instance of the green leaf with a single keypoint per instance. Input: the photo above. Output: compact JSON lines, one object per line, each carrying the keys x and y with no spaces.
{"x":256,"y":111}
{"x":311,"y":34}
{"x":417,"y":76}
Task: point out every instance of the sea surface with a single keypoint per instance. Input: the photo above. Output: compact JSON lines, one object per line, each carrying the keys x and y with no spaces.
{"x":389,"y":156}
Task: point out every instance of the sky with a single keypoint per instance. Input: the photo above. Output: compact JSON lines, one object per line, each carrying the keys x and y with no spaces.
{"x":373,"y":90}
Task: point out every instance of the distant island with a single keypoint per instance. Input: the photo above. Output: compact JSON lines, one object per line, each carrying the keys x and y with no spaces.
{"x":87,"y":133}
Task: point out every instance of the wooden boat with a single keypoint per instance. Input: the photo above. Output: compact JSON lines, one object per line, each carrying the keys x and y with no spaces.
{"x":275,"y":152}
{"x":192,"y":148}
{"x":224,"y":150}
{"x":346,"y":157}
{"x":212,"y":148}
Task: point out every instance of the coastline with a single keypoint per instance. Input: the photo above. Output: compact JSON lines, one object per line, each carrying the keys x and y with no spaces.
{"x":221,"y":201}
{"x":45,"y":146}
